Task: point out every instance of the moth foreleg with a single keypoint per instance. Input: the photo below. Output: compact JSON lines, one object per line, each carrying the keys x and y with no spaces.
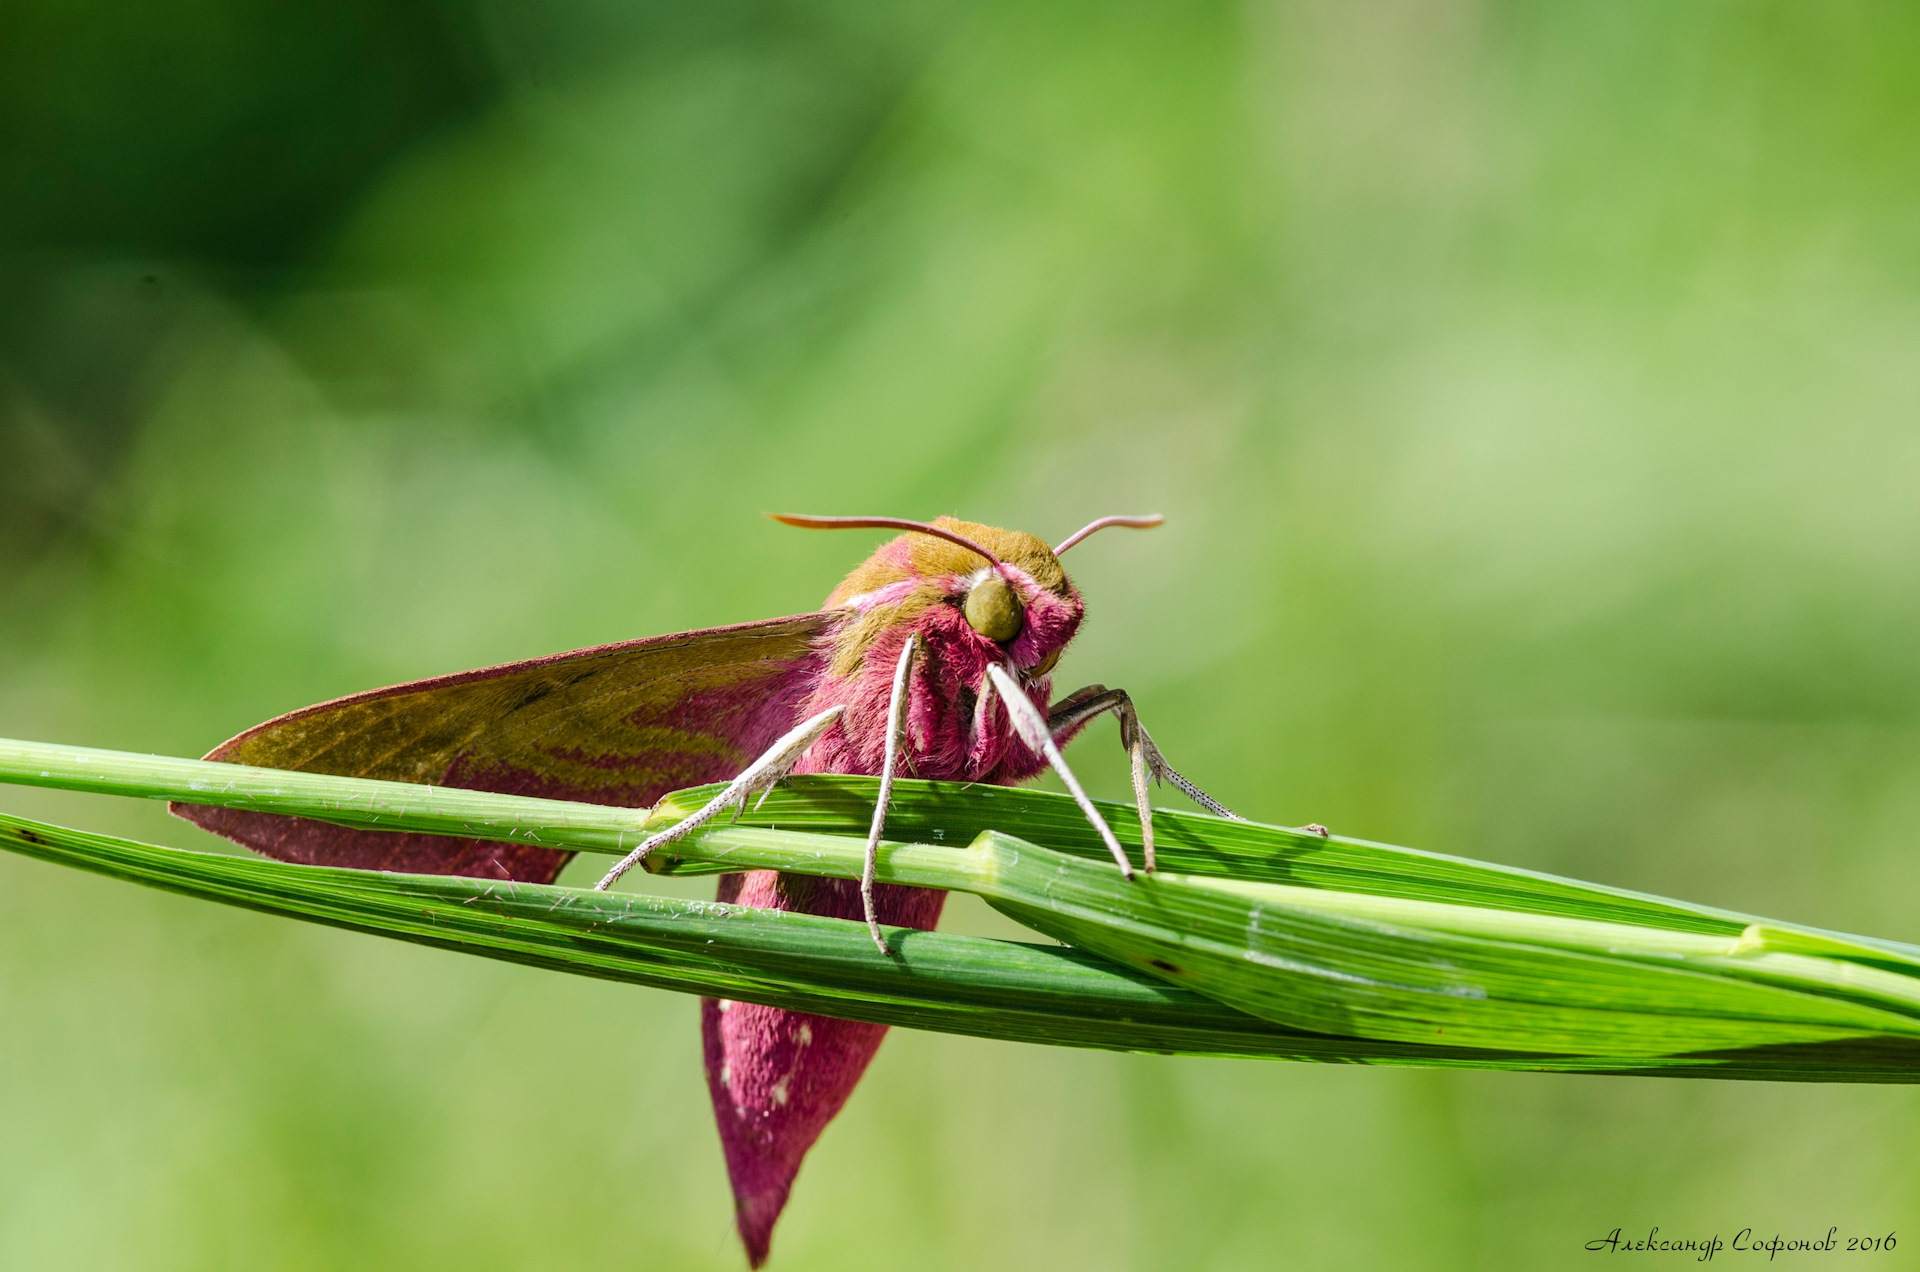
{"x":1073,"y":712}
{"x":757,"y":778}
{"x":896,"y":733}
{"x":1033,"y":730}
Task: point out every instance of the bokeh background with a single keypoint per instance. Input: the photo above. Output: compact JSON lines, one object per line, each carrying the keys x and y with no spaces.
{"x":1533,"y":390}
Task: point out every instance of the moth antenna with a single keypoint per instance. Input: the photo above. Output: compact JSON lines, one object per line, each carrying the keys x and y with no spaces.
{"x":1147,"y":522}
{"x":884,"y":523}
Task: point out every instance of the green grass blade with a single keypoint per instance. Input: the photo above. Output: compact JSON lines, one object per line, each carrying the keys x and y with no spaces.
{"x":922,"y":812}
{"x":959,"y":984}
{"x":1386,"y":967}
{"x":1412,"y":971}
{"x":967,"y":985}
{"x":363,"y":803}
{"x":1403,"y":947}
{"x":1201,"y":845}
{"x":1198,"y":844}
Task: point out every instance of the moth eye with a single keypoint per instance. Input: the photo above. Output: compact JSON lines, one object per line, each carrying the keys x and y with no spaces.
{"x":993,"y":610}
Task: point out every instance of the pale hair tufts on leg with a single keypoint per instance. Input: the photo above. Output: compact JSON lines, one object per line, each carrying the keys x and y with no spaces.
{"x":757,"y":778}
{"x":1032,"y":728}
{"x":896,"y":733}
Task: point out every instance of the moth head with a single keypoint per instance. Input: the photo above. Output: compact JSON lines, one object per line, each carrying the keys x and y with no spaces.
{"x":993,"y":594}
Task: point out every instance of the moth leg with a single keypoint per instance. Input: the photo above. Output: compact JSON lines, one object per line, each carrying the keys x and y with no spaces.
{"x":1073,"y":712}
{"x":1033,"y":730}
{"x":896,"y":733}
{"x":758,"y":777}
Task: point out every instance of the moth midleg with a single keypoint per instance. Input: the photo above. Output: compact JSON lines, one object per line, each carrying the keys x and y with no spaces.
{"x":896,"y":734}
{"x":758,"y":777}
{"x":1073,"y":712}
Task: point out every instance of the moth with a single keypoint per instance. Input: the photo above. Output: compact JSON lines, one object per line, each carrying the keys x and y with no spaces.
{"x":934,"y":657}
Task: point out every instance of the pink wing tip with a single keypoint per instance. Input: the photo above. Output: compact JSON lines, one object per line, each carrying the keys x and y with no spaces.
{"x":755,"y":1217}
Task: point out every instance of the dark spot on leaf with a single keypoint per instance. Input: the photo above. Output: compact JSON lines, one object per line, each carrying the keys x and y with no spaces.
{"x":1164,"y":966}
{"x":30,"y":837}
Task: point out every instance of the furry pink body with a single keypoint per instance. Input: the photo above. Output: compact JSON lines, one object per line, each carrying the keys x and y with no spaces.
{"x":629,"y":722}
{"x":778,"y":1077}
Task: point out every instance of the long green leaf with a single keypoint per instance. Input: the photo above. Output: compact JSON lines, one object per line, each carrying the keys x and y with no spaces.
{"x":1388,"y":967}
{"x":922,"y":812}
{"x":1392,"y":951}
{"x":1192,"y":843}
{"x":1650,"y":977}
{"x":968,"y":985}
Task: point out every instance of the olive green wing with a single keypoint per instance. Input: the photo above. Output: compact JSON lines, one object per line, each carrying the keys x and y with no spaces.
{"x":616,"y":724}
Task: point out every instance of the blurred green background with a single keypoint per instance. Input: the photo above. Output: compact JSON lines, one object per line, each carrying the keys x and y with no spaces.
{"x":1531,"y":389}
